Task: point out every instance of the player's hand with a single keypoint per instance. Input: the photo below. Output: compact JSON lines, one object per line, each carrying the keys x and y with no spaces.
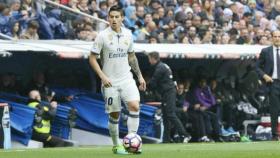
{"x":267,"y":78}
{"x":106,"y":82}
{"x":142,"y":85}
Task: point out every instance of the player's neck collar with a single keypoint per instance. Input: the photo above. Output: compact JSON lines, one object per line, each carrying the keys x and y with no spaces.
{"x":121,"y":30}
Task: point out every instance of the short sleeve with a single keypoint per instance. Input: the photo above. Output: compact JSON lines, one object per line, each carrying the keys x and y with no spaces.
{"x":131,"y":44}
{"x":97,"y":45}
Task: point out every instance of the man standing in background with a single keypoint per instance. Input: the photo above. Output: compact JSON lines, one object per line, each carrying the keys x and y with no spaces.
{"x":268,"y":68}
{"x":162,"y":81}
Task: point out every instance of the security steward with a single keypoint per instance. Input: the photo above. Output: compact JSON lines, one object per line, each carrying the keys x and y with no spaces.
{"x":42,"y":124}
{"x":162,"y":81}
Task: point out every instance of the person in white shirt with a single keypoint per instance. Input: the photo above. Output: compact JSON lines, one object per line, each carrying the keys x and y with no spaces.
{"x":115,"y":47}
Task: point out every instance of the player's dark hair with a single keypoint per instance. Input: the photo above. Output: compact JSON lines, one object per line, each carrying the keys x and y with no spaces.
{"x":116,"y":8}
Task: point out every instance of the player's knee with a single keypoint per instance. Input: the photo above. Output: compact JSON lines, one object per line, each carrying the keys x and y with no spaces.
{"x":115,"y":115}
{"x":133,"y":107}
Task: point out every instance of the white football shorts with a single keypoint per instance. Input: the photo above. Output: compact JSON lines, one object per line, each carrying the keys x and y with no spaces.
{"x":125,"y":91}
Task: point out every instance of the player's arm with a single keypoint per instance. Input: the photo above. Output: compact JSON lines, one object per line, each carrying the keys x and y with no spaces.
{"x":96,"y":67}
{"x":133,"y":62}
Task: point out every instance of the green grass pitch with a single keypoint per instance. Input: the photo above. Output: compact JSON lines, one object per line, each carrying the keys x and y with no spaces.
{"x":192,"y":150}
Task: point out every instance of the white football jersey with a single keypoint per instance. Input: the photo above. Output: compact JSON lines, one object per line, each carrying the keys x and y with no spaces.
{"x":113,"y":49}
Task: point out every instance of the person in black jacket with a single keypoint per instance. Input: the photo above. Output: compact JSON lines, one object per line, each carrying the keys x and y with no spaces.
{"x":45,"y":113}
{"x":268,"y":68}
{"x":162,"y":81}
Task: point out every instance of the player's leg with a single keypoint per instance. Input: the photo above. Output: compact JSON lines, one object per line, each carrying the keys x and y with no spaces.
{"x":130,"y":94}
{"x":113,"y":108}
{"x":113,"y":126}
{"x":133,"y":117}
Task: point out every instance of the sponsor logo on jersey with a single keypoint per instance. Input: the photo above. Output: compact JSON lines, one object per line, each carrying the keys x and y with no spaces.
{"x":117,"y":55}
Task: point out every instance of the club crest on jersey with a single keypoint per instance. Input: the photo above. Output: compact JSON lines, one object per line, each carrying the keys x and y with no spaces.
{"x":94,"y":47}
{"x":126,"y":42}
{"x":110,"y":37}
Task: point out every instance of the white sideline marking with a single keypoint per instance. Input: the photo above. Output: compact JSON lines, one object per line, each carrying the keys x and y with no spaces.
{"x":26,"y":150}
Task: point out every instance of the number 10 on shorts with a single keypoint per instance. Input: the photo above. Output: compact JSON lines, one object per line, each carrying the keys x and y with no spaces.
{"x":109,"y":101}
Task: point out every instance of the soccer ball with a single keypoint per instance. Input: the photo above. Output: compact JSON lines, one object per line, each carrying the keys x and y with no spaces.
{"x":132,"y":143}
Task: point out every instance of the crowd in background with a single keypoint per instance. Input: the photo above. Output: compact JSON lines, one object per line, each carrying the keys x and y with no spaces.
{"x":161,"y":21}
{"x":213,"y":109}
{"x":152,"y":21}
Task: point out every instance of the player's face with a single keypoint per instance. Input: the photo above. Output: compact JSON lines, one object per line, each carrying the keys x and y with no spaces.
{"x":115,"y":19}
{"x":276,"y":38}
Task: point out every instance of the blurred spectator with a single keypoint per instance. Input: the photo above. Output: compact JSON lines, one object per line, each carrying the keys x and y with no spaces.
{"x":228,"y":14}
{"x":171,"y":5}
{"x":276,"y":24}
{"x":147,"y":18}
{"x":82,"y":34}
{"x":31,"y":31}
{"x":153,"y":39}
{"x":14,"y":7}
{"x":27,"y":5}
{"x":9,"y":84}
{"x":244,"y":37}
{"x":207,"y":101}
{"x":154,"y":5}
{"x":265,"y":24}
{"x":196,"y":40}
{"x":184,"y":7}
{"x":192,"y":34}
{"x":39,"y":83}
{"x":146,"y":31}
{"x":58,"y":28}
{"x":180,"y":17}
{"x":140,"y":12}
{"x":207,"y":38}
{"x":196,"y":21}
{"x":225,"y":39}
{"x":275,"y":10}
{"x":248,"y":17}
{"x":187,"y":25}
{"x":4,"y":18}
{"x":73,"y":4}
{"x":15,"y":30}
{"x":85,"y":34}
{"x":83,"y":6}
{"x":93,"y":8}
{"x":110,"y":3}
{"x":77,"y":24}
{"x":252,"y":7}
{"x":223,"y":15}
{"x":103,"y":12}
{"x":184,"y":40}
{"x":208,"y":8}
{"x":170,"y":32}
{"x":264,"y":41}
{"x":130,"y":17}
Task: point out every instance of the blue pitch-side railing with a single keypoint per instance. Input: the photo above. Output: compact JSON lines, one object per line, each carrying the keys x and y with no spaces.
{"x":22,"y":118}
{"x":90,"y":116}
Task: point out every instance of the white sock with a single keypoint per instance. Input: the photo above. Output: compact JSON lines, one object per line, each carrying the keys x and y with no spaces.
{"x":133,"y":121}
{"x":114,"y":130}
